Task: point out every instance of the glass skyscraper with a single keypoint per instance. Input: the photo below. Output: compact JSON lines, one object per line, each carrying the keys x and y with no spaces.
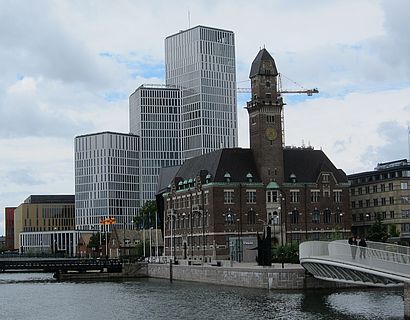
{"x":201,"y":62}
{"x":155,"y":118}
{"x":107,"y":184}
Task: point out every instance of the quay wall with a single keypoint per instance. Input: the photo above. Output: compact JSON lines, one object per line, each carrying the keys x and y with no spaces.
{"x":263,"y":278}
{"x":129,"y":271}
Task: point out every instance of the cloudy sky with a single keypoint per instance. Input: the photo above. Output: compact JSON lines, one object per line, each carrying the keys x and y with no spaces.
{"x":68,"y":67}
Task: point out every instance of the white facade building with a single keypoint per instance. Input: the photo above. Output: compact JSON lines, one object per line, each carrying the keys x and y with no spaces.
{"x":201,"y":62}
{"x":155,"y":118}
{"x":51,"y":242}
{"x":107,"y":182}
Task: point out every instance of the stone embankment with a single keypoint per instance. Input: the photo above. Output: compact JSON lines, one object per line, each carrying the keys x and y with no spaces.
{"x":291,"y":277}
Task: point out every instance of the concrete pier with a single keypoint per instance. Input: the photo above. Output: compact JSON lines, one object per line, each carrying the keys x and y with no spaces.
{"x":292,"y":277}
{"x":406,"y":296}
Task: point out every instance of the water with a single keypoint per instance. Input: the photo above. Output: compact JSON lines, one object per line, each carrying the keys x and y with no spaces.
{"x":38,"y":296}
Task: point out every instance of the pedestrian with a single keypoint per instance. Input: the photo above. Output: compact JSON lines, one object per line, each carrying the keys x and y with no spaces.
{"x":362,"y":245}
{"x":353,"y":245}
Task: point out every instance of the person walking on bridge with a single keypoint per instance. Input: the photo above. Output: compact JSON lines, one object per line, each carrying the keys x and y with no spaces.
{"x":353,"y":245}
{"x":362,"y":245}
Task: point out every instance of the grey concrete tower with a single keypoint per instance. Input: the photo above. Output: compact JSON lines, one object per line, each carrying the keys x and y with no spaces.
{"x":266,"y":118}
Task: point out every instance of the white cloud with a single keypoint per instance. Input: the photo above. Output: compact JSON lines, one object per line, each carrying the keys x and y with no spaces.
{"x":346,"y":128}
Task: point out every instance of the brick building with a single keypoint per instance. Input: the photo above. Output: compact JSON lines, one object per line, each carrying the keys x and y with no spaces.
{"x":215,"y":204}
{"x":9,"y":215}
{"x":382,"y":193}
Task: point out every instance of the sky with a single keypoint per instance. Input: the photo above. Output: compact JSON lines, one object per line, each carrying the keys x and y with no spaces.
{"x":67,"y":68}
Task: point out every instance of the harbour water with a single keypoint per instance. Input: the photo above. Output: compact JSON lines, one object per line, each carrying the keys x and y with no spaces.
{"x":39,"y":296}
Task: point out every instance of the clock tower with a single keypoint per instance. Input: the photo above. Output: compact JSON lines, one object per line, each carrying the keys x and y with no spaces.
{"x":266,"y":118}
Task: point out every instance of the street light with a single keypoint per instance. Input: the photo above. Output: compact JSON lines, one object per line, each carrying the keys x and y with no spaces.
{"x":55,"y":241}
{"x":172,"y":229}
{"x":282,"y":209}
{"x":367,"y":217}
{"x":150,"y":244}
{"x":156,"y":236}
{"x":239,"y":240}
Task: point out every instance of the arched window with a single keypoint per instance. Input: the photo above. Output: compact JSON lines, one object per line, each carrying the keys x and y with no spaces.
{"x":327,"y":216}
{"x":315,"y":216}
{"x":251,"y":217}
{"x":275,"y":218}
{"x":229,"y":218}
{"x":295,"y":217}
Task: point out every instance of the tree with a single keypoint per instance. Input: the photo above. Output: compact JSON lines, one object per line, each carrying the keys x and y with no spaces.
{"x":337,"y":235}
{"x":378,"y":231}
{"x":289,"y":253}
{"x":95,"y":240}
{"x":393,"y":232}
{"x":146,"y":218}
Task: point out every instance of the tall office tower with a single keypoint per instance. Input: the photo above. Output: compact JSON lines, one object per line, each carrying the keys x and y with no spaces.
{"x":155,"y":118}
{"x":201,"y":62}
{"x":106,"y":179}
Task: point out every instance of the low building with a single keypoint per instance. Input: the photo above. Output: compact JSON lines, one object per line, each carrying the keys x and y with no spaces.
{"x":382,"y":193}
{"x":124,"y":243}
{"x":9,"y":219}
{"x":49,"y":214}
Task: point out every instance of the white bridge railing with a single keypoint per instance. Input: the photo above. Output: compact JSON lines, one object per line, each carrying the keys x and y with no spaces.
{"x":390,"y":259}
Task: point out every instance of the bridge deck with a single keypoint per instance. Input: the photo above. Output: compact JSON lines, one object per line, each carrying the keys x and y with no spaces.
{"x":377,"y":264}
{"x":61,"y":265}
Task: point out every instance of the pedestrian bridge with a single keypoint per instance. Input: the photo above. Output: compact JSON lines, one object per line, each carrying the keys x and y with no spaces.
{"x":378,"y":264}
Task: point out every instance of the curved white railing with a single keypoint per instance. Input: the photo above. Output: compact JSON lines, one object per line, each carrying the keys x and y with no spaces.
{"x":392,"y":261}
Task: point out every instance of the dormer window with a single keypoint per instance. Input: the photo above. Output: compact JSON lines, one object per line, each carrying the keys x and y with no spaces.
{"x":292,"y":178}
{"x":325,"y":177}
{"x":208,"y":178}
{"x":227,"y":177}
{"x":249,"y":177}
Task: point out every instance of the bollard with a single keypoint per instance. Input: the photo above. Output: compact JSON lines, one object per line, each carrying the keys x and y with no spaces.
{"x":170,"y":270}
{"x":406,"y":298}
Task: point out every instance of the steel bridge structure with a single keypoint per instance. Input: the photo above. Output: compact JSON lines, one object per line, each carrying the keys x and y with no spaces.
{"x":378,"y":264}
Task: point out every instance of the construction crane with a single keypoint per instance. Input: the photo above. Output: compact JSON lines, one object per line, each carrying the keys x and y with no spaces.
{"x":309,"y":92}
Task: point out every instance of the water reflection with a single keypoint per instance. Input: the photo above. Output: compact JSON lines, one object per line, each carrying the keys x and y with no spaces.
{"x":355,"y":303}
{"x":158,"y":299}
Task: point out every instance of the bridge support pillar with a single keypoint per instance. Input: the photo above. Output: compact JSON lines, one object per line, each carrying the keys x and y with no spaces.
{"x":406,"y":297}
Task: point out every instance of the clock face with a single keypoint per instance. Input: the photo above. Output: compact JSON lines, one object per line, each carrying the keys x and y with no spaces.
{"x":271,"y":133}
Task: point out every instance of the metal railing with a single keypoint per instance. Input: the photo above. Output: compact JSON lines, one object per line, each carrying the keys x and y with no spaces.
{"x":389,"y":259}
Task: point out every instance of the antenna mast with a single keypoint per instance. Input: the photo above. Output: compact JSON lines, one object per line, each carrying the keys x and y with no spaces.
{"x":189,"y":19}
{"x":408,"y":140}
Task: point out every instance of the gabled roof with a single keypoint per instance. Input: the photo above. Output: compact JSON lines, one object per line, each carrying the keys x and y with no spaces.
{"x":307,"y":164}
{"x":258,"y":63}
{"x":165,"y":177}
{"x":237,"y":162}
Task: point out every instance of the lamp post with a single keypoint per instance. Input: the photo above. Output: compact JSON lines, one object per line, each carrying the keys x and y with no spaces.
{"x":366,"y":217}
{"x":150,"y":244}
{"x":156,"y":236}
{"x":282,"y":221}
{"x":143,"y":236}
{"x":172,"y":233}
{"x":55,"y":242}
{"x":239,"y":240}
